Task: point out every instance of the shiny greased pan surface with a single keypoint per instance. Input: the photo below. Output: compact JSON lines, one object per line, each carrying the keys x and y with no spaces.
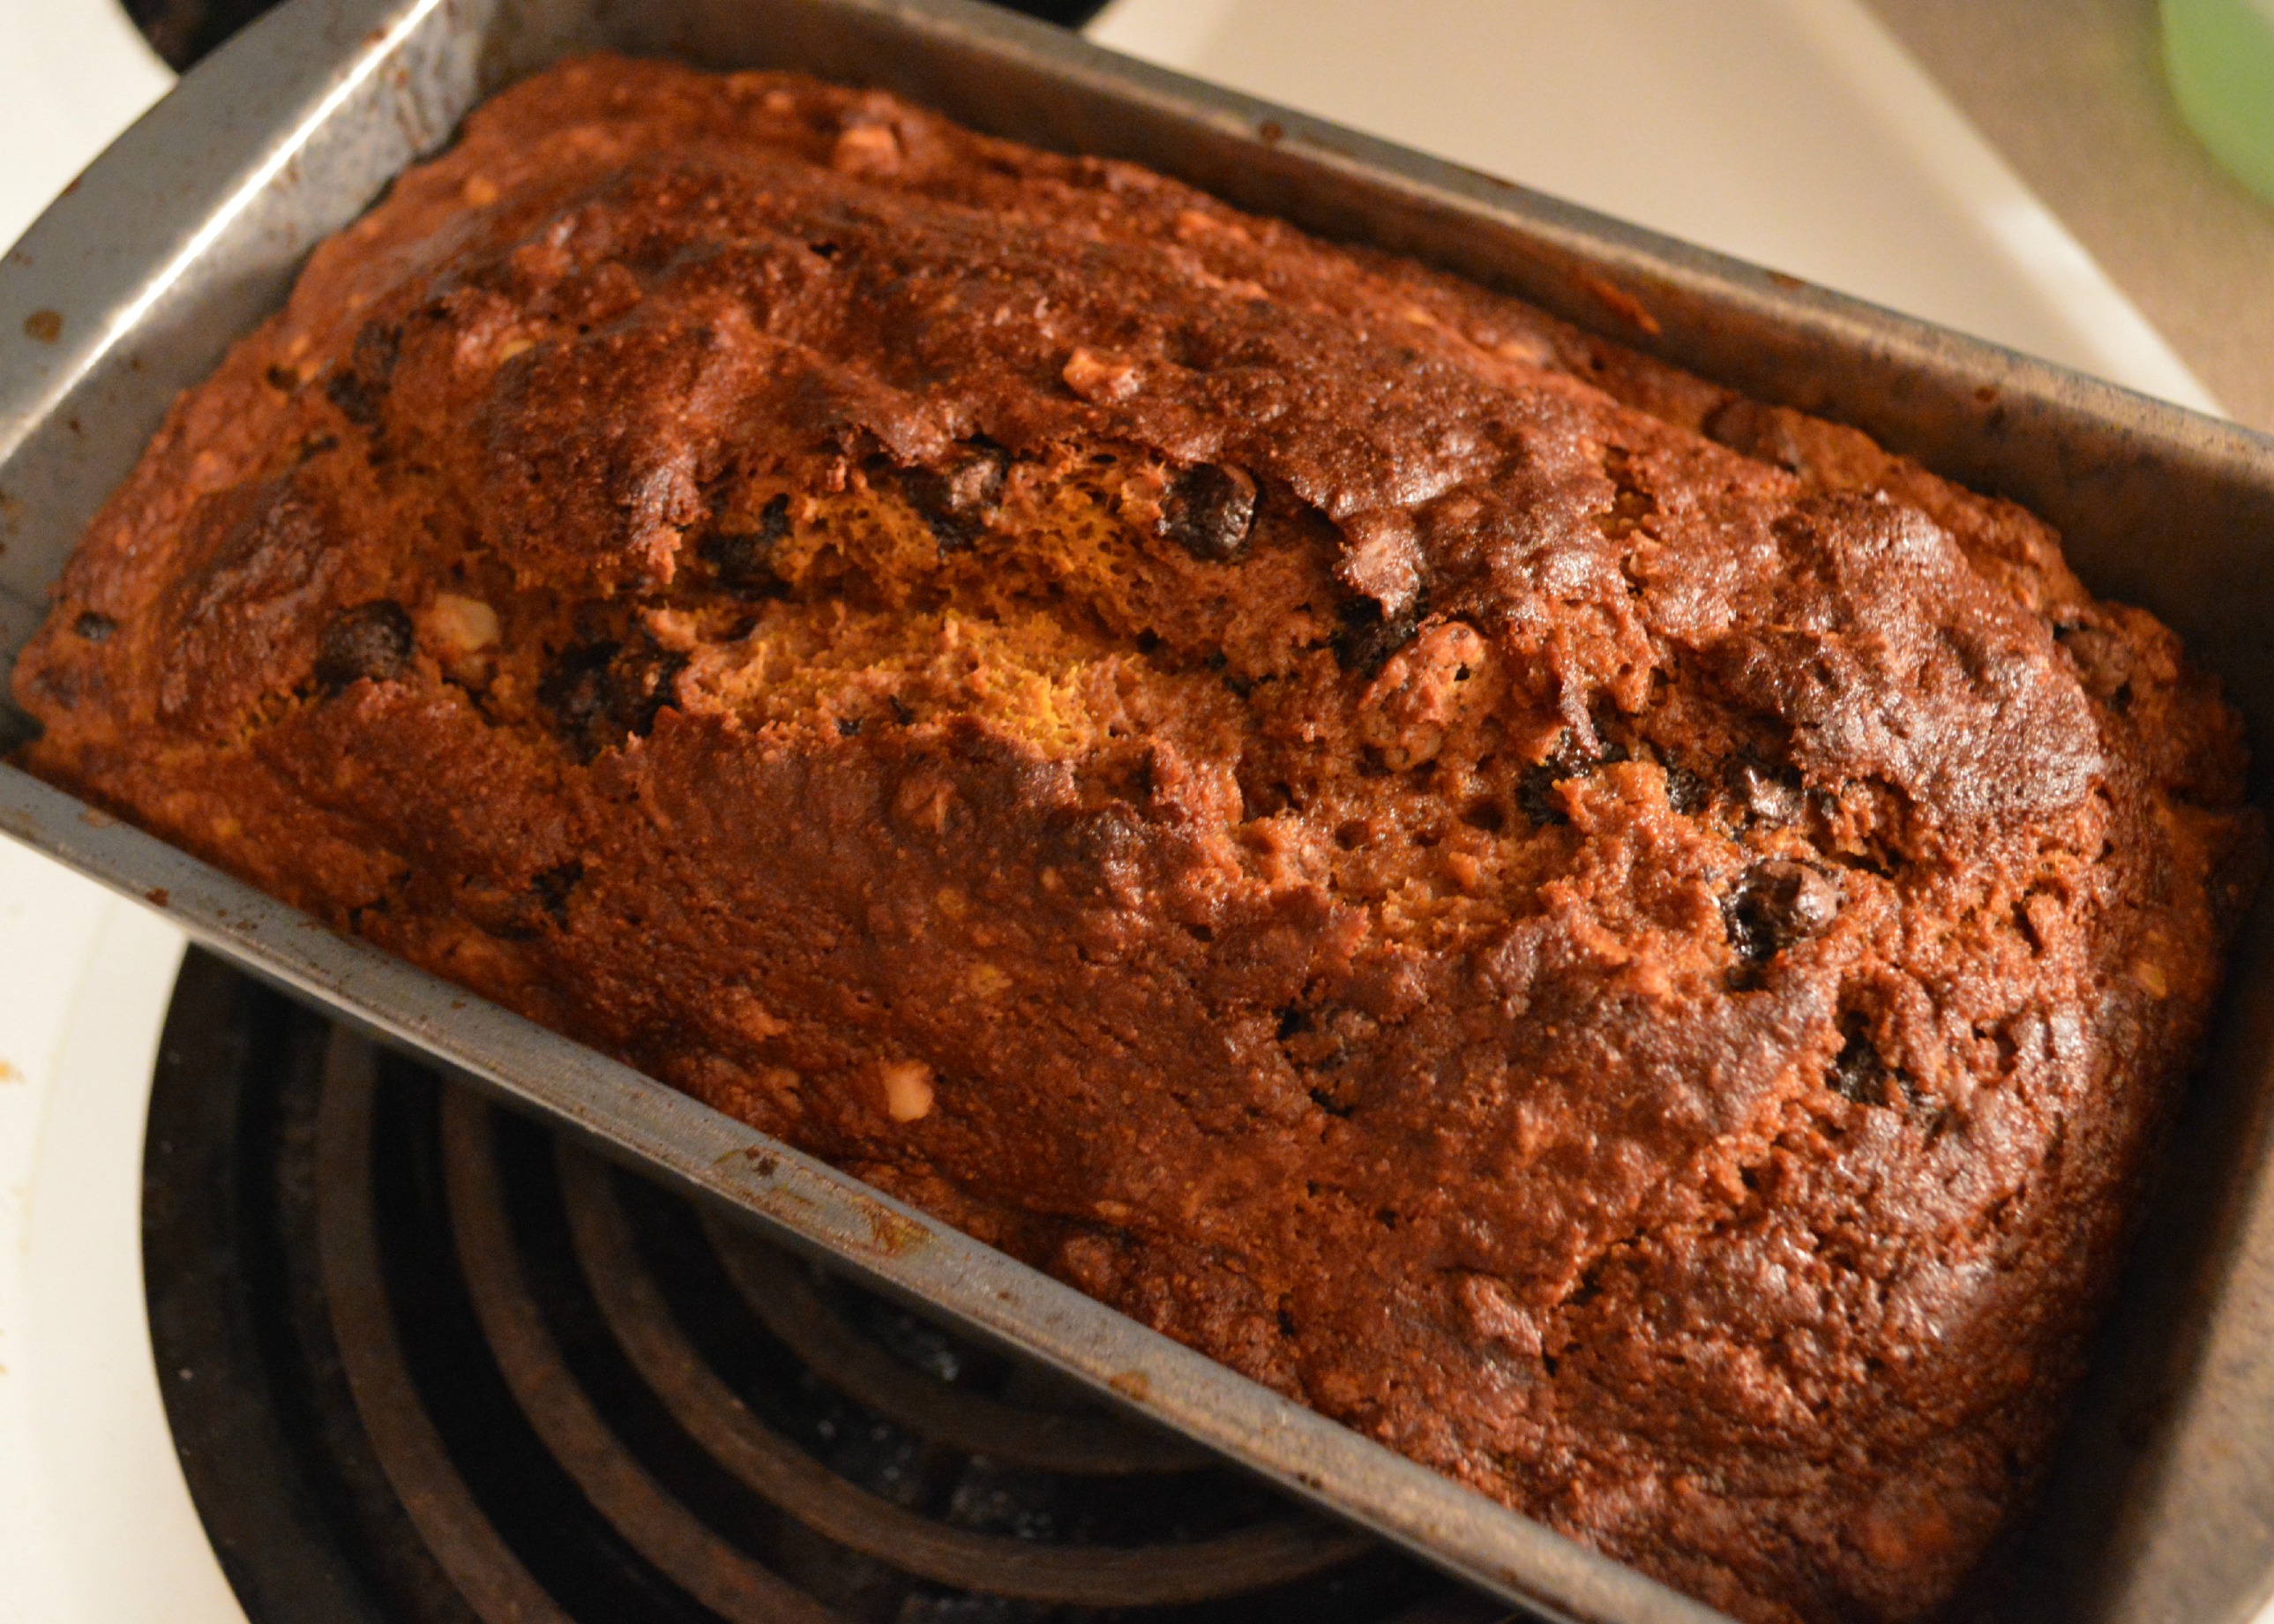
{"x":190,"y":230}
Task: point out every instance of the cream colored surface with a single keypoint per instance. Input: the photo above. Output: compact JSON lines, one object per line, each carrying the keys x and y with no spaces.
{"x":2072,"y":92}
{"x":97,"y":1524}
{"x":1794,"y":133}
{"x":73,"y":73}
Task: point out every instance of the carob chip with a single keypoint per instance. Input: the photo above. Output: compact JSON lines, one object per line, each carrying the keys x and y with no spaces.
{"x":577,"y":690}
{"x":1534,"y":794}
{"x":1858,"y":1074}
{"x":602,"y":693}
{"x":1776,"y":903}
{"x":1369,"y":637}
{"x":954,"y":500}
{"x":360,"y":387}
{"x":1319,"y":1044}
{"x":744,"y":558}
{"x":372,"y":640}
{"x":541,"y":905}
{"x":552,"y":887}
{"x":1535,"y":791}
{"x":1687,"y":793}
{"x":1210,"y":511}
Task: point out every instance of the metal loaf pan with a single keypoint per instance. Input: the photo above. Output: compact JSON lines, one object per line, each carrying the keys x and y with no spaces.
{"x":190,"y":228}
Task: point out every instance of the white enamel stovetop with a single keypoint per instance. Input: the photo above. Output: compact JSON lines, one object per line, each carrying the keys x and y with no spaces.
{"x":1791,"y":131}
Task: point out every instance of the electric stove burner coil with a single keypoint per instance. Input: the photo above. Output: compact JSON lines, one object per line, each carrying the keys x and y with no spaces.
{"x":425,"y":1361}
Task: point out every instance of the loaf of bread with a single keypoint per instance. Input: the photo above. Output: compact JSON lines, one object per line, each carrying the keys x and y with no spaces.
{"x":1620,"y":940}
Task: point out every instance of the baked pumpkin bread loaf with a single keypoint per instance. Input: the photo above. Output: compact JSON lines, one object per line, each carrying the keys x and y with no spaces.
{"x":1620,"y":940}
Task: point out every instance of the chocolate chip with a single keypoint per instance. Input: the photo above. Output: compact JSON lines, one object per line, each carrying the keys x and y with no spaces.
{"x":602,"y":693}
{"x":1858,"y":1074}
{"x":1535,"y":791}
{"x":92,"y":628}
{"x":1775,"y":905}
{"x":372,"y":640}
{"x":359,"y":388}
{"x":744,"y":558}
{"x":1210,"y":511}
{"x":1686,"y":792}
{"x":1369,"y":637}
{"x":955,"y":500}
{"x":357,"y":401}
{"x":642,"y":679}
{"x":551,"y":889}
{"x":1534,"y":795}
{"x":848,"y":727}
{"x":1487,"y":816}
{"x":1321,"y":1042}
{"x":575,"y":686}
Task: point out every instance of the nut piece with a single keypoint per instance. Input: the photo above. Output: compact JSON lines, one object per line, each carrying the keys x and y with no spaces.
{"x":908,"y":1090}
{"x":461,"y":625}
{"x":1768,"y":796}
{"x":866,"y":149}
{"x":1424,"y":690}
{"x":1495,"y":1314}
{"x":1098,"y":377}
{"x":372,"y":641}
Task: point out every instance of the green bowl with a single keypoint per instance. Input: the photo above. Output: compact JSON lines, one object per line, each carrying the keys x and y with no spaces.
{"x":2220,"y":56}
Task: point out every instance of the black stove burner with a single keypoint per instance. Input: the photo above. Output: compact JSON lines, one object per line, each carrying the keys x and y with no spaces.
{"x":425,"y":1361}
{"x":183,"y":30}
